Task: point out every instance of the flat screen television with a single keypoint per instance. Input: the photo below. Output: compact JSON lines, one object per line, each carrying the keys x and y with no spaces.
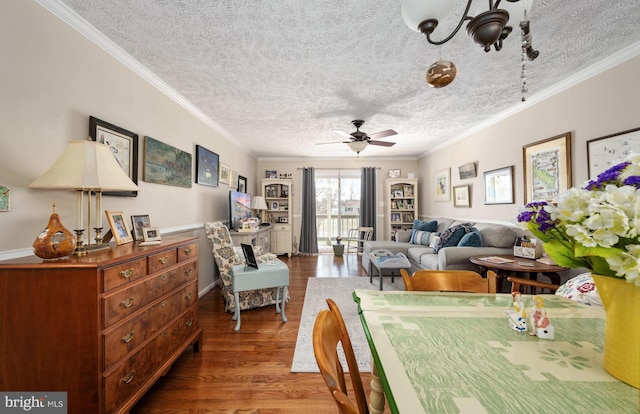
{"x":239,"y":208}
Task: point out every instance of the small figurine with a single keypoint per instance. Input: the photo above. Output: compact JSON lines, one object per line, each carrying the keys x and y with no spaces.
{"x":540,"y":325}
{"x":517,"y":315}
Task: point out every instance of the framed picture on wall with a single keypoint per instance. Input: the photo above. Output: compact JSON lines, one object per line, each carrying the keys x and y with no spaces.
{"x":547,"y":168}
{"x":206,"y":166}
{"x":605,"y":152}
{"x":124,"y":147}
{"x":443,"y":185}
{"x":242,"y":184}
{"x":498,"y":186}
{"x":225,"y":174}
{"x":461,"y":196}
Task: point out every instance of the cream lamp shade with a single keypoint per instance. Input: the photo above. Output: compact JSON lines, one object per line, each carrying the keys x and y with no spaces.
{"x":258,"y":203}
{"x":86,"y":165}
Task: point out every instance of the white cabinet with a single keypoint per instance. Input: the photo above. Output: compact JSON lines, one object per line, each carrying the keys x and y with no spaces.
{"x":258,"y":237}
{"x":401,"y":202}
{"x":277,"y":194}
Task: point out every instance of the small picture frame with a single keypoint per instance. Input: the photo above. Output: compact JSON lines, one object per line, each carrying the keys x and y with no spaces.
{"x":225,"y":174}
{"x":242,"y":184}
{"x":442,"y":185}
{"x":275,"y":205}
{"x":151,"y":234}
{"x":395,"y":173}
{"x":119,"y":228}
{"x":140,"y":222}
{"x":461,"y":196}
{"x":233,"y":181}
{"x":271,"y":174}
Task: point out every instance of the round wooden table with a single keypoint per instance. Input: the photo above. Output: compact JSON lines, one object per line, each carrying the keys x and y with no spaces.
{"x":512,"y":264}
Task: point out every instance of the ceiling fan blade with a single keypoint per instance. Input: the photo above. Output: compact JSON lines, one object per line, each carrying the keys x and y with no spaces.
{"x":344,"y":134}
{"x":382,"y":143}
{"x":332,"y":142}
{"x":382,"y":134}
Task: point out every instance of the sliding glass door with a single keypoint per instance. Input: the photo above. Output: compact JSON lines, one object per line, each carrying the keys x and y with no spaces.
{"x":337,"y":204}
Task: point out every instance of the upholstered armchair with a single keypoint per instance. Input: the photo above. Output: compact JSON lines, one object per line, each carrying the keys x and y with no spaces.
{"x":226,"y":256}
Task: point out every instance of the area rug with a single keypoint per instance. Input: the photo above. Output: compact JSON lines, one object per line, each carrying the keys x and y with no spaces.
{"x":341,"y":291}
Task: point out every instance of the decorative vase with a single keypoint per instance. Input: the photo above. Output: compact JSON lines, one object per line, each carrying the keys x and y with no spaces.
{"x":55,"y":240}
{"x":621,"y":302}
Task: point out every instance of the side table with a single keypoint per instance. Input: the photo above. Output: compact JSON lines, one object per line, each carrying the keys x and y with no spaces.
{"x":512,"y":264}
{"x":269,"y":275}
{"x":385,"y":260}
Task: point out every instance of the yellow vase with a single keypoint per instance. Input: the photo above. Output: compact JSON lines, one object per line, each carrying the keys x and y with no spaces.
{"x":621,"y":302}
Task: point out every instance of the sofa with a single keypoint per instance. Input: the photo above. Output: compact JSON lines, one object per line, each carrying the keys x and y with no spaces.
{"x":425,"y":250}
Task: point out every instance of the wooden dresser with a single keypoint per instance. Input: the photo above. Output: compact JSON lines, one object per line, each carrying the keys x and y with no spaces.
{"x":102,"y":327}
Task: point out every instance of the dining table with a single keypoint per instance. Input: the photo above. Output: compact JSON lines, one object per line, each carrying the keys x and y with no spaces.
{"x":437,"y":352}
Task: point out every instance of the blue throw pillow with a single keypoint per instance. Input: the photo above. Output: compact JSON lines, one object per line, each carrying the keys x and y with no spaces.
{"x":420,"y":237}
{"x":425,"y":225}
{"x":452,"y":235}
{"x":471,"y":239}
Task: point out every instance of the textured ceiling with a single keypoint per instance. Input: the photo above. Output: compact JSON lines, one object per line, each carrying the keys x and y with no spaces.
{"x":280,"y":76}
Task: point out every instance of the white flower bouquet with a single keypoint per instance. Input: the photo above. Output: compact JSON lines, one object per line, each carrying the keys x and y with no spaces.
{"x":596,"y":226}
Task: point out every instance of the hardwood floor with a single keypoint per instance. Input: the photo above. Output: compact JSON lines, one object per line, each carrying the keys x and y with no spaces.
{"x":249,"y":371}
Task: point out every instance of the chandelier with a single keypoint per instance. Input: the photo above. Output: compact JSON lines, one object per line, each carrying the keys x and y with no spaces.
{"x":487,"y":28}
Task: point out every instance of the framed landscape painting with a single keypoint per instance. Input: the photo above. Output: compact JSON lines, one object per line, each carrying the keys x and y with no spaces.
{"x":165,"y":164}
{"x":547,"y":168}
{"x":498,"y":186}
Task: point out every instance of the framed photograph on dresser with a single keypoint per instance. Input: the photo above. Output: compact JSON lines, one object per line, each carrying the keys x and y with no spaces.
{"x":119,"y":228}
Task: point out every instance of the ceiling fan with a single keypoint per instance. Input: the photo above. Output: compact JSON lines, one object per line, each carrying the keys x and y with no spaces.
{"x":359,"y":140}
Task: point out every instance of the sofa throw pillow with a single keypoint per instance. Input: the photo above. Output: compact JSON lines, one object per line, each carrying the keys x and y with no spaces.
{"x":471,"y":239}
{"x":430,"y":226}
{"x":420,"y":237}
{"x":452,"y":236}
{"x":434,"y":240}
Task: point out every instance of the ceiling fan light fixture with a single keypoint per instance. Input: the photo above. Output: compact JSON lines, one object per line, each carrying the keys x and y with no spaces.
{"x":416,"y":12}
{"x":357,"y":146}
{"x":441,"y":73}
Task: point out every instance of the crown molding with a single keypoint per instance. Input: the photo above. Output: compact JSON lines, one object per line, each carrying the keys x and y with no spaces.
{"x":71,"y":18}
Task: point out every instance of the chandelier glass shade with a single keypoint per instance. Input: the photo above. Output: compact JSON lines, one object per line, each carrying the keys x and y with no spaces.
{"x":357,"y":146}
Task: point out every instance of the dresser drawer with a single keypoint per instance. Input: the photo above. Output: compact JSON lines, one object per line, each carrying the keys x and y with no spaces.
{"x":187,"y":252}
{"x":129,"y":335}
{"x":125,"y":302}
{"x":115,"y":276}
{"x":126,"y":379}
{"x":163,"y":260}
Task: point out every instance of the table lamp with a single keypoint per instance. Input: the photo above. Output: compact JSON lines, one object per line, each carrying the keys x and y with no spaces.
{"x":258,"y":203}
{"x":87,"y":167}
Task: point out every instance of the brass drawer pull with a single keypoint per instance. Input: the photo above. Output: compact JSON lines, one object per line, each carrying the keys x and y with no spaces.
{"x":163,"y":304}
{"x":189,"y":323}
{"x":127,"y":338}
{"x":187,"y":251}
{"x":164,"y":333}
{"x":163,"y":260}
{"x":127,"y":303}
{"x":163,"y":277}
{"x":188,"y":295}
{"x":188,"y":272}
{"x":129,"y":377}
{"x":126,"y":274}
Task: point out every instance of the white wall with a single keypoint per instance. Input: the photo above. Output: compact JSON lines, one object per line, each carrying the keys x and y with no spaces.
{"x":51,"y":80}
{"x":604,"y":104}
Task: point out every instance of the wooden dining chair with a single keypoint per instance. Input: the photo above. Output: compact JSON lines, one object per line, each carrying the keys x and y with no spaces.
{"x":449,"y":281}
{"x":328,"y":331}
{"x":532,"y":287}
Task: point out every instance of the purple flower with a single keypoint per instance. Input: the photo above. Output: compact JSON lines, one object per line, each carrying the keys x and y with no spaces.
{"x":634,"y":180}
{"x":609,"y":176}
